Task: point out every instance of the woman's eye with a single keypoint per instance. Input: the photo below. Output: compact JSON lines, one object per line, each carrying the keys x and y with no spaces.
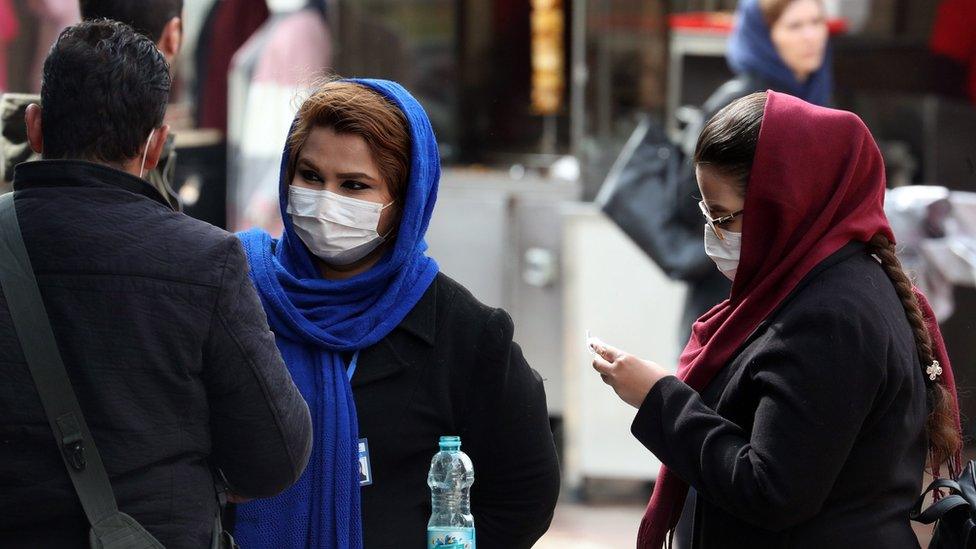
{"x":310,"y":176}
{"x":815,"y":23}
{"x":354,"y":185}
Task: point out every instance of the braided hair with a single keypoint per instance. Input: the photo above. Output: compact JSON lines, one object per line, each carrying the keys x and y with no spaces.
{"x":944,"y":439}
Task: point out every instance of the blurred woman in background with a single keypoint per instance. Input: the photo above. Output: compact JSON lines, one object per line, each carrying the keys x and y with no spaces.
{"x":782,"y":45}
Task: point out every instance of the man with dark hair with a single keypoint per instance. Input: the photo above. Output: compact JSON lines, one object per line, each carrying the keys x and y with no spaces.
{"x":106,"y":124}
{"x":159,"y":20}
{"x":159,"y":327}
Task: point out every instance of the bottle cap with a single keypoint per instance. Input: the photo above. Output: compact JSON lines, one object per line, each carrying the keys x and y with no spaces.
{"x":450,"y":444}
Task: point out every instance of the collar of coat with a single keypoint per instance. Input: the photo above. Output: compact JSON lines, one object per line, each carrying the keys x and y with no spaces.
{"x":80,"y":173}
{"x":406,"y":346}
{"x":422,"y":319}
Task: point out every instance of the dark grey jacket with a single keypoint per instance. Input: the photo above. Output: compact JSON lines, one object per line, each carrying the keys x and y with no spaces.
{"x":169,"y":352}
{"x":814,"y":435}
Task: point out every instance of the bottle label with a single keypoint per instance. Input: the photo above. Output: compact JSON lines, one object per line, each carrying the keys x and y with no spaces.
{"x":450,"y":538}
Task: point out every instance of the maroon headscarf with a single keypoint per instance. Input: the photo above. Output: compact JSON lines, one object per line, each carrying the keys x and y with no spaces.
{"x":817,"y":184}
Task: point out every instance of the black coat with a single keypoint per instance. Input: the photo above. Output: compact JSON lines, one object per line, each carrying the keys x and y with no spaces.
{"x":451,"y":368}
{"x":814,"y":434}
{"x":169,"y":353}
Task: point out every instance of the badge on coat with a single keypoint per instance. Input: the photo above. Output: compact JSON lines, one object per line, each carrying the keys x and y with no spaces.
{"x":365,"y":470}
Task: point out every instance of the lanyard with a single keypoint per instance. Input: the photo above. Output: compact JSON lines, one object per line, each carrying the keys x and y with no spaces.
{"x":352,"y":365}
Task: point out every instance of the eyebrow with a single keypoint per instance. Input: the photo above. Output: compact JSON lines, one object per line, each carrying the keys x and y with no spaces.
{"x":356,"y":175}
{"x":308,"y":163}
{"x":303,"y":160}
{"x":716,"y":209}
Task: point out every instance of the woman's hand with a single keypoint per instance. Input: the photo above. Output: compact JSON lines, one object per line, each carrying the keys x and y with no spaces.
{"x":630,"y":377}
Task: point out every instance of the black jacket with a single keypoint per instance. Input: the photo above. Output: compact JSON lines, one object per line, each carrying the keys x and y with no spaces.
{"x":451,"y":368}
{"x":169,"y":353}
{"x":814,"y":434}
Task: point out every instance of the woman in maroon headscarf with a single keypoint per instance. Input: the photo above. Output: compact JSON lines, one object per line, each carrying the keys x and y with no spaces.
{"x":807,"y":405}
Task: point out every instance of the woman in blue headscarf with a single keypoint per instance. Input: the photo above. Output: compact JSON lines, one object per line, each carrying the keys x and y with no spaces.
{"x":389,"y":353}
{"x":782,"y":45}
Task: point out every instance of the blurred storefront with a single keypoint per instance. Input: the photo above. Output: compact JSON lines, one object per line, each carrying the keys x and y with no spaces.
{"x":532,"y":100}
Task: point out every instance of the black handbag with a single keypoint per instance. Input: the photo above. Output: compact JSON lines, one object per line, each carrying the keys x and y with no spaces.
{"x":649,"y":193}
{"x":110,"y":527}
{"x":954,"y":513}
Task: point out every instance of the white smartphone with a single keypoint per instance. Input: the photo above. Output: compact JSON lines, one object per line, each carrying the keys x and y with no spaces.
{"x":592,"y":343}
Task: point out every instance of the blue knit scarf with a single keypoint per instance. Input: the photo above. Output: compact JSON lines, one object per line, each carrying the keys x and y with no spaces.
{"x":316,"y":320}
{"x":751,"y":51}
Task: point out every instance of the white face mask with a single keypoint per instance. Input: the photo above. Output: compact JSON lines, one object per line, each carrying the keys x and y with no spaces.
{"x":725,"y":253}
{"x":337,"y":229}
{"x":145,"y":153}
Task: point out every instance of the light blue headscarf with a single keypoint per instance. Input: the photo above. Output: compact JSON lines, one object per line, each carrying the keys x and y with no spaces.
{"x":316,"y":320}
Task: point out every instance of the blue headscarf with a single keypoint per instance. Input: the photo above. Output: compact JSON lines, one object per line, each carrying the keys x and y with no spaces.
{"x":751,"y":51}
{"x":316,"y":320}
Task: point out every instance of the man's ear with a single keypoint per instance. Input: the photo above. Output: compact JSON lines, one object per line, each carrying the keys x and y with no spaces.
{"x":156,"y":146}
{"x":35,"y":135}
{"x":171,"y":40}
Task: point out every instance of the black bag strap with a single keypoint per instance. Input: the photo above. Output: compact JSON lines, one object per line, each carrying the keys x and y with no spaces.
{"x":943,"y":484}
{"x":71,"y":434}
{"x":612,"y":180}
{"x":940,"y":507}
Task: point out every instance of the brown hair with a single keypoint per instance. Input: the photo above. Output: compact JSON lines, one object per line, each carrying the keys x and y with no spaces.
{"x":351,"y":108}
{"x":944,"y":439}
{"x":728,"y":143}
{"x":772,"y":10}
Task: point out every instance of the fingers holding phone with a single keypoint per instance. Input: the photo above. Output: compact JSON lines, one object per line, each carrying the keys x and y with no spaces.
{"x":631,"y":377}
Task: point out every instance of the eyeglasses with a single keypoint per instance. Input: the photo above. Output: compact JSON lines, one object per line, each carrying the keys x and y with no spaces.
{"x":716,"y":223}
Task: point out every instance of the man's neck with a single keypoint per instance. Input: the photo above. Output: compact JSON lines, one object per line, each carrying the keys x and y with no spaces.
{"x":130,"y":166}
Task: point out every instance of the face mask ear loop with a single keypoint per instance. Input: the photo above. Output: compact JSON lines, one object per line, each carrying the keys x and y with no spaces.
{"x":145,"y":153}
{"x":392,"y":229}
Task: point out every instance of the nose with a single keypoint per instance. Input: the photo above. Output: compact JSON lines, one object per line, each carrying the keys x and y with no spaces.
{"x":813,"y":33}
{"x":332,"y":185}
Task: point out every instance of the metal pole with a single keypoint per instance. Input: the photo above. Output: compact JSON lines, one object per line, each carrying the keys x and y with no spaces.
{"x":550,"y":136}
{"x":334,"y":20}
{"x":578,"y":78}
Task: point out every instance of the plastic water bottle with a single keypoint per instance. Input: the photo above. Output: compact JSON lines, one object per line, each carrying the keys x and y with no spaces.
{"x":451,"y":475}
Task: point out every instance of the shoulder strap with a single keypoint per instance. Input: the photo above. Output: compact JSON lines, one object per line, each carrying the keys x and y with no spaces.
{"x":939,"y":509}
{"x":71,"y":434}
{"x":941,"y":506}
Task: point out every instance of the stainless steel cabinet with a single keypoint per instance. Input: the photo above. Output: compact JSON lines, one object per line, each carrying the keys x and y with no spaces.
{"x":501,"y":238}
